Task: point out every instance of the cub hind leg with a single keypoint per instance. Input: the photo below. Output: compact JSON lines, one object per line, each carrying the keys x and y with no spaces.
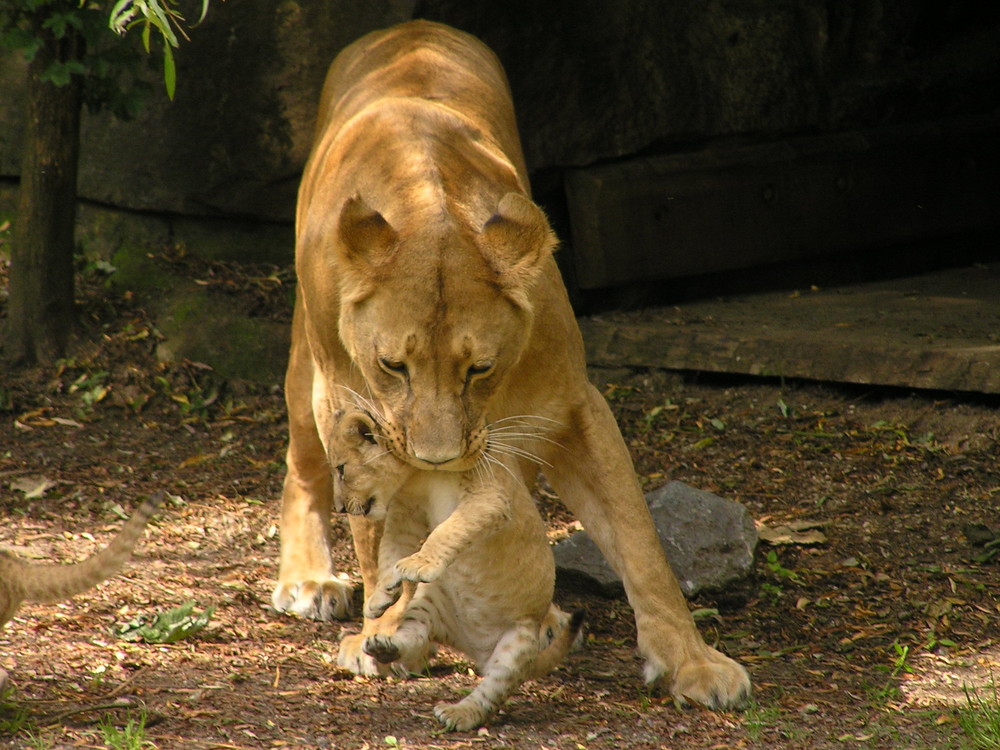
{"x":506,"y":669}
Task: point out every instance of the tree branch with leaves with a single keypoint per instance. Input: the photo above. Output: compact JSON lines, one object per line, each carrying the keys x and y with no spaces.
{"x":73,"y":60}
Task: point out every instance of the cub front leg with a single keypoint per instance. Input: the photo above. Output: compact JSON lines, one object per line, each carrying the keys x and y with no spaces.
{"x":481,"y":510}
{"x":409,"y":643}
{"x":401,"y":536}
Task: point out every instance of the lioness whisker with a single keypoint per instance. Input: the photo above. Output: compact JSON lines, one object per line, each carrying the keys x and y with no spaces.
{"x":494,"y":461}
{"x":367,"y":404}
{"x":525,"y":436}
{"x":510,"y":450}
{"x":526,"y":417}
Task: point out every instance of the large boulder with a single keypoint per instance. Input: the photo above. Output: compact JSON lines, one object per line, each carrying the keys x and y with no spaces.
{"x":709,"y":541}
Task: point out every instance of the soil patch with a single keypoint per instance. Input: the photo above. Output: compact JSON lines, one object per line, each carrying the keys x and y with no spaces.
{"x":863,"y":637}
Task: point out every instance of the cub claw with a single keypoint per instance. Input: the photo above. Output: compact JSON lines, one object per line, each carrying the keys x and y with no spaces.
{"x":459,"y":717}
{"x":382,"y":648}
{"x":419,"y":569}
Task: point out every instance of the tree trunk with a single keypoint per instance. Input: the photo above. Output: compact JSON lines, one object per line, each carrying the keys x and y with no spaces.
{"x":40,"y":310}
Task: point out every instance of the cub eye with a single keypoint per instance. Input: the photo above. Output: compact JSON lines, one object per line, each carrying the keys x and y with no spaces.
{"x":365,"y":432}
{"x":393,"y":366}
{"x":479,"y":368}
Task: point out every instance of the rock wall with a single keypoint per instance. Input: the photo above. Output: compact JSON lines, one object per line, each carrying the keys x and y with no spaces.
{"x":592,"y":79}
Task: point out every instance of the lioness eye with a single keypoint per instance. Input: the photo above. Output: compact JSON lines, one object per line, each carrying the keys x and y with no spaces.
{"x":392,"y":365}
{"x":480,"y":368}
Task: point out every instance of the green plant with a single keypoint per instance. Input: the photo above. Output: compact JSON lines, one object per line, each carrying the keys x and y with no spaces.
{"x":130,"y":737}
{"x":900,"y":665}
{"x":14,"y":718}
{"x":168,"y":627}
{"x":778,"y":570}
{"x":979,"y":718}
{"x":757,"y":718}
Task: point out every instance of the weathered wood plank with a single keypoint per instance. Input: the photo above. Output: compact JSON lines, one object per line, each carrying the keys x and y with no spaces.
{"x":937,"y":331}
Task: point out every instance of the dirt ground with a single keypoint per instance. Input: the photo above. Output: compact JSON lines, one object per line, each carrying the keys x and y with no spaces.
{"x":862,"y":635}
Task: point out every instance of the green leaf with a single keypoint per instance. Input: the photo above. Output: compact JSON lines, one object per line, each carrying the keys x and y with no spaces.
{"x":60,"y":73}
{"x":169,"y":627}
{"x":169,"y":71}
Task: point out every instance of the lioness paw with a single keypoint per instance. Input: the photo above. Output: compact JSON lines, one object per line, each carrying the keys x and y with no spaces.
{"x":420,"y":568}
{"x":326,"y":599}
{"x":712,"y":680}
{"x":460,"y":717}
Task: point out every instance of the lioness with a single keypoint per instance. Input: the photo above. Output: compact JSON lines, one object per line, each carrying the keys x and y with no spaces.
{"x":485,"y":572}
{"x":426,"y":281}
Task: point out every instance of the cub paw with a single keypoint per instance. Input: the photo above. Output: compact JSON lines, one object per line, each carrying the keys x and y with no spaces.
{"x":460,"y":717}
{"x":711,"y":679}
{"x":325,"y":599}
{"x":381,"y":647}
{"x":419,"y":568}
{"x":351,"y":656}
{"x":380,"y":600}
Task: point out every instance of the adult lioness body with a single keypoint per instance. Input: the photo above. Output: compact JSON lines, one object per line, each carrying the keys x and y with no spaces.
{"x":426,"y":283}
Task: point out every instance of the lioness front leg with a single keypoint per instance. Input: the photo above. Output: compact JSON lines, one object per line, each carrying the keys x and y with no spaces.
{"x":307,"y":583}
{"x":595,"y":479}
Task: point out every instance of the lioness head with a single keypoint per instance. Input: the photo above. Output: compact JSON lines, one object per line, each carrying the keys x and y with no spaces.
{"x":435,"y":317}
{"x":367,"y":475}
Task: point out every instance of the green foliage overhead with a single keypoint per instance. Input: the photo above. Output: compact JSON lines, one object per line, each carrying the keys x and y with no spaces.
{"x":88,"y":33}
{"x":78,"y":30}
{"x":162,"y":17}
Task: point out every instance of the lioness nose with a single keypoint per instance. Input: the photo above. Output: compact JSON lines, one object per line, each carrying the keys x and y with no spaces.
{"x":437,"y":458}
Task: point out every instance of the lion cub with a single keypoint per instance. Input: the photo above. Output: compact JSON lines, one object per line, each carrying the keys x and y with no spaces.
{"x":485,"y":572}
{"x":28,"y":582}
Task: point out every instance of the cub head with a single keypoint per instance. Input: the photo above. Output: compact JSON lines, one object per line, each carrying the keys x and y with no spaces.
{"x":435,"y":317}
{"x":366,"y":474}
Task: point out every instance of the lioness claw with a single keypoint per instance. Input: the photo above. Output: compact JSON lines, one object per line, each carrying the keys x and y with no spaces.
{"x":328,"y":599}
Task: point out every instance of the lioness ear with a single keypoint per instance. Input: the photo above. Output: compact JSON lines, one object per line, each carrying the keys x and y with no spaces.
{"x":516,"y":240}
{"x":364,"y":233}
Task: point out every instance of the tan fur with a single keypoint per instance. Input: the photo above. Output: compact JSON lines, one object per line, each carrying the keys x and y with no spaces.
{"x":28,"y":582}
{"x":484,"y":571}
{"x":427,"y":284}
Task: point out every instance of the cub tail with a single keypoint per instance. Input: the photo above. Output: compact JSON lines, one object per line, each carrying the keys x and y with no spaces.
{"x":55,"y":583}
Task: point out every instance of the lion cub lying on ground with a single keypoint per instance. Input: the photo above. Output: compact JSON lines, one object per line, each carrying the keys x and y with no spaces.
{"x":485,"y":572}
{"x":27,"y":582}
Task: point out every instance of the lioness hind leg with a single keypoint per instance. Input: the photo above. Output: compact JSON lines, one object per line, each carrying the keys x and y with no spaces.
{"x":594,"y":477}
{"x":503,"y":673}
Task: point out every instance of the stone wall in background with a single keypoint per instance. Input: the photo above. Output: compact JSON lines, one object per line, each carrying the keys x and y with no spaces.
{"x":592,"y":80}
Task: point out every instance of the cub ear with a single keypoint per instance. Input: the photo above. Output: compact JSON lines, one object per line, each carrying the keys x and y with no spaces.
{"x":516,"y":241}
{"x":365,"y":235}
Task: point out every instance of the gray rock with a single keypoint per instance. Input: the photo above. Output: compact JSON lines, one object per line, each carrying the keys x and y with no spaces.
{"x":708,"y":540}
